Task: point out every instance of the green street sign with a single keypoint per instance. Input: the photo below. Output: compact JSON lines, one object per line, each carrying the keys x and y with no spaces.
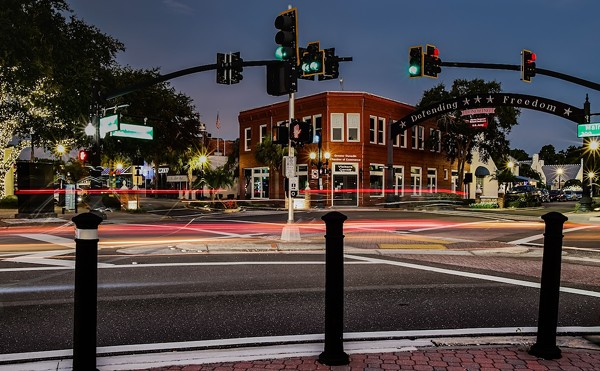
{"x":108,"y":124}
{"x":588,"y":130}
{"x":134,"y":131}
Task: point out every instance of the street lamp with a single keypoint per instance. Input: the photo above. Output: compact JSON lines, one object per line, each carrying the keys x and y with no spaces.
{"x":560,"y":171}
{"x":591,"y":176}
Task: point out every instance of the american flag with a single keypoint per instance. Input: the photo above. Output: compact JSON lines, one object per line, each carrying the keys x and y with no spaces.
{"x":218,"y":122}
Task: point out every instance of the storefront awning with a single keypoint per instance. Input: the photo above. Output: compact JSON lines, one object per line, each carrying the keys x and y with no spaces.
{"x":481,"y":171}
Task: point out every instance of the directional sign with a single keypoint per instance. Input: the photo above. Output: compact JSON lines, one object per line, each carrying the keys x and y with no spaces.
{"x":134,"y":131}
{"x":108,"y":124}
{"x":588,"y":130}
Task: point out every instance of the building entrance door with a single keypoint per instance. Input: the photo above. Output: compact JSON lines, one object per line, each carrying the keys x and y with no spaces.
{"x":345,"y":184}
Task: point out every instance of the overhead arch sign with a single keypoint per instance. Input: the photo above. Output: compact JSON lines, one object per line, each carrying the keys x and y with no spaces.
{"x":476,"y":101}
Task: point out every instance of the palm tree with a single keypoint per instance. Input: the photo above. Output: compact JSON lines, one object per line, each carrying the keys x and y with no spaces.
{"x":271,"y":155}
{"x":217,"y":178}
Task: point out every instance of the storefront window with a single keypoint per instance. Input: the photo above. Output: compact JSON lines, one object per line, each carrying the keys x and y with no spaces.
{"x":399,"y":180}
{"x":415,"y":180}
{"x":260,"y":182}
{"x":376,"y":180}
{"x":432,"y":180}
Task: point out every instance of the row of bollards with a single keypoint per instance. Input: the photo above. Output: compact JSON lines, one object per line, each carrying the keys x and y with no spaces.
{"x":86,"y":283}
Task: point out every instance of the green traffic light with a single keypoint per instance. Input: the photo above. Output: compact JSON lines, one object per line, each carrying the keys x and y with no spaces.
{"x":315,"y":66}
{"x":413,"y":70}
{"x":280,"y":53}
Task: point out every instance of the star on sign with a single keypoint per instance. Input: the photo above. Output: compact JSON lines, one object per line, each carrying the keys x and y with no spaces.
{"x":478,"y":99}
{"x":490,"y":99}
{"x":402,"y":124}
{"x":466,"y":101}
{"x":567,"y":112}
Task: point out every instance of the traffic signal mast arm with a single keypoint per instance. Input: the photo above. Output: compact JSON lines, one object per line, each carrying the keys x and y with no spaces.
{"x":514,"y":67}
{"x":188,"y":71}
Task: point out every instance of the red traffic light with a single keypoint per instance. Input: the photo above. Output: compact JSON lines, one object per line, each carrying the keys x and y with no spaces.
{"x":83,"y":155}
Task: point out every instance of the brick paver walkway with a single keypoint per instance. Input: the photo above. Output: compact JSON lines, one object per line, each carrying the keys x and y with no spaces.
{"x":450,"y":359}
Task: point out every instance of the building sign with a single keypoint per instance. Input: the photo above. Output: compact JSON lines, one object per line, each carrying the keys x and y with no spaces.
{"x":163,"y":170}
{"x":478,"y":122}
{"x":176,"y":178}
{"x":478,"y":111}
{"x":466,"y":102}
{"x":344,"y":168}
{"x":588,"y":130}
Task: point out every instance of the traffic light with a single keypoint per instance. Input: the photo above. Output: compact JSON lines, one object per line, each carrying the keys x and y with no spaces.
{"x":229,"y":68}
{"x":527,"y":65}
{"x":431,"y":62}
{"x":83,"y":155}
{"x":332,"y":65}
{"x":222,"y":68}
{"x":281,"y":135}
{"x":236,"y":67}
{"x":287,"y":37}
{"x":281,"y":78}
{"x":301,"y":132}
{"x":415,"y":61}
{"x":312,"y":60}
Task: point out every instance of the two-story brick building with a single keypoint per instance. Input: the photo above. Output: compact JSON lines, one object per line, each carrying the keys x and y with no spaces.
{"x":354,"y":151}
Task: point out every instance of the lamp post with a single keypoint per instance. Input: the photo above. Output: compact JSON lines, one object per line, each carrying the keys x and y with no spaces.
{"x":321,"y":159}
{"x":559,"y":172}
{"x":590,"y":162}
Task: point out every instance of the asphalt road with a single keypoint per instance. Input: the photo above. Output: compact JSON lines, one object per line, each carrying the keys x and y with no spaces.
{"x":194,"y":297}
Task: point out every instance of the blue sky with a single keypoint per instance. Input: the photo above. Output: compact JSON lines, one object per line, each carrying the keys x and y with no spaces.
{"x":177,"y":34}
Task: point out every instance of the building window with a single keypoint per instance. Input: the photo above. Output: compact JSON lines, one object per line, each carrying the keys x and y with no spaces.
{"x":432,"y":180}
{"x":260,"y":182}
{"x":353,"y":120}
{"x":337,"y":127}
{"x":399,"y":180}
{"x":413,"y":130}
{"x":403,"y":139}
{"x":436,"y":142}
{"x":454,"y":181}
{"x":302,"y":174}
{"x":247,"y":139}
{"x":381,"y":131}
{"x":445,"y":174}
{"x":263,"y":133}
{"x":421,"y":137}
{"x":376,"y":180}
{"x":415,"y":180}
{"x":372,"y":129}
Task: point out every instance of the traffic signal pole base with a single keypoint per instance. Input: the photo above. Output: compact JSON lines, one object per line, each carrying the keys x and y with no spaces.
{"x":290,"y":233}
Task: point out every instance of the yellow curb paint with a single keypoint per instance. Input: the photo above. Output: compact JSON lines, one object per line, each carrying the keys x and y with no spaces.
{"x":412,"y":246}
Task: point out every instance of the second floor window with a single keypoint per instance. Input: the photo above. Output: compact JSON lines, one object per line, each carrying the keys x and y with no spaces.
{"x":247,"y":139}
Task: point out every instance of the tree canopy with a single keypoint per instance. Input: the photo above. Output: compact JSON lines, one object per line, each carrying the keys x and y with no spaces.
{"x":459,"y":139}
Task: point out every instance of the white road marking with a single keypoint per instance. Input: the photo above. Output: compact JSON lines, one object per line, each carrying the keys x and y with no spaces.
{"x":540,"y":236}
{"x":479,"y":276}
{"x":450,"y":226}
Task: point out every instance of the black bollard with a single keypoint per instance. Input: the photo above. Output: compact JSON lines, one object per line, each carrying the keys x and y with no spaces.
{"x":545,"y":346}
{"x":333,"y":353}
{"x":86,"y":288}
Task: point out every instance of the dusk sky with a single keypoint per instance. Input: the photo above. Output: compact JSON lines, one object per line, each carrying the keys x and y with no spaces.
{"x":177,"y":34}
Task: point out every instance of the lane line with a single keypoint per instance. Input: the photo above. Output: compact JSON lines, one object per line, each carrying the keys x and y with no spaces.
{"x":479,"y":276}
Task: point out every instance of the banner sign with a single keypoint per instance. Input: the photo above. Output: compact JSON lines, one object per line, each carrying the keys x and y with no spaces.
{"x":134,"y":131}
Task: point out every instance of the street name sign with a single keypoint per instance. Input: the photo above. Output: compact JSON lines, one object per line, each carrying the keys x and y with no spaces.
{"x":588,"y":130}
{"x":134,"y":131}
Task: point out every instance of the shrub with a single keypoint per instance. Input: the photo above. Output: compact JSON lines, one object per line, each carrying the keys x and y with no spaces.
{"x":484,"y":205}
{"x":8,"y":202}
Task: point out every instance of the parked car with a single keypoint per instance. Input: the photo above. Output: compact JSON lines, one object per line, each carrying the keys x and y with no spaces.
{"x":571,"y":195}
{"x":524,"y":189}
{"x":544,"y":194}
{"x":557,"y":195}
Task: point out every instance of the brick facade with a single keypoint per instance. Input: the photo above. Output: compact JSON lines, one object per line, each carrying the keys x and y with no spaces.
{"x":354,"y":128}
